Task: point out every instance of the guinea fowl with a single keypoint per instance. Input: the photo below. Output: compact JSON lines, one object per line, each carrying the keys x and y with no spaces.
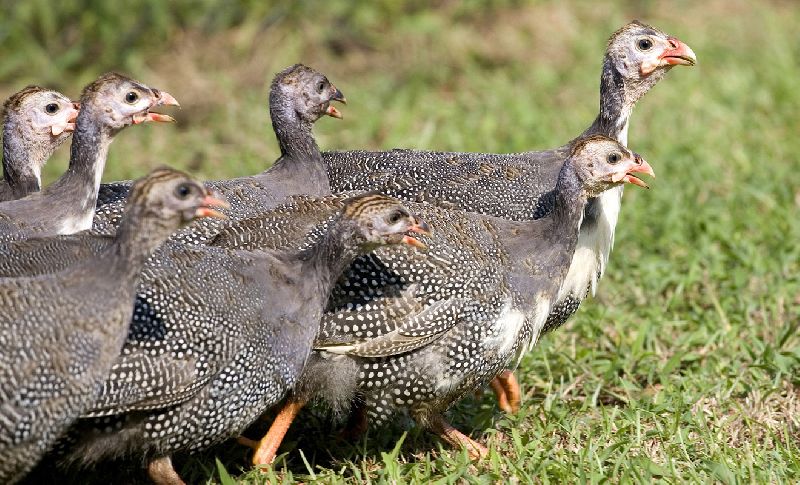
{"x":446,"y":321}
{"x":518,"y":186}
{"x":60,"y":332}
{"x":36,"y":122}
{"x":298,"y":97}
{"x":108,"y":105}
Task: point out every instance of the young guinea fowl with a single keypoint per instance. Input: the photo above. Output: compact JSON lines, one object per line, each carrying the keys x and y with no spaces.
{"x":298,"y":97}
{"x":434,"y":326}
{"x":196,"y":371}
{"x":60,"y":332}
{"x":36,"y":122}
{"x":518,"y":186}
{"x":107,"y":106}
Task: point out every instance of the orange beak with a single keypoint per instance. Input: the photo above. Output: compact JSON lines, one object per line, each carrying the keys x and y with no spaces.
{"x":640,"y":166}
{"x":421,"y":227}
{"x":211,"y":200}
{"x":679,"y":54}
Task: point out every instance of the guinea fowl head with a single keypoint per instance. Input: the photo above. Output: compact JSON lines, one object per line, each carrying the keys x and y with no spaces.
{"x":378,"y":220}
{"x":174,"y":198}
{"x":602,"y":163}
{"x":639,"y":55}
{"x":117,"y":101}
{"x":44,"y":115}
{"x":306,"y":92}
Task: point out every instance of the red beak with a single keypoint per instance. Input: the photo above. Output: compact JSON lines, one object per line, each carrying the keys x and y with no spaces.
{"x":679,"y":54}
{"x":212,"y":199}
{"x":640,"y":166}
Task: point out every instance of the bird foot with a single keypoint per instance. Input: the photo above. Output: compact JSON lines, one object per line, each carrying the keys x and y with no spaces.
{"x":506,"y":388}
{"x":161,"y":472}
{"x":458,"y":439}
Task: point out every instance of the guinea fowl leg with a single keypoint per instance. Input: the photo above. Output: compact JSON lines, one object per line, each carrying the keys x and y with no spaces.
{"x":506,"y":388}
{"x":456,"y":438}
{"x":161,"y":472}
{"x":267,"y":448}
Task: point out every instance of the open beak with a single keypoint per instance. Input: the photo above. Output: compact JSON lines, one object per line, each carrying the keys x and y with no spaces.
{"x":210,"y":201}
{"x":420,"y":227}
{"x":641,"y":166}
{"x":336,"y":96}
{"x":163,"y":98}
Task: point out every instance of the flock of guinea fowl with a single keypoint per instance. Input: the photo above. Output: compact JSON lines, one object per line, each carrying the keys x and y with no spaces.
{"x":143,"y":319}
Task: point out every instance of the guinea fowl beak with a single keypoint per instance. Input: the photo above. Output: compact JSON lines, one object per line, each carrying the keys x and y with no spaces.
{"x":679,"y":54}
{"x":69,"y":124}
{"x":163,"y":98}
{"x":419,"y":227}
{"x":212,"y":199}
{"x":640,"y":166}
{"x":336,"y":96}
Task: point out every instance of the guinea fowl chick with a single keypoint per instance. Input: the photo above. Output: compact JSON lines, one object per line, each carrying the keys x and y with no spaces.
{"x":449,"y":321}
{"x":108,"y":105}
{"x":517,"y":186}
{"x":36,"y":122}
{"x":60,"y":332}
{"x":298,"y":97}
{"x":196,"y":371}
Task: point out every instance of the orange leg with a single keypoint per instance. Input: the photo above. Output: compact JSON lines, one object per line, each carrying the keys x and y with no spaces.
{"x":506,"y":388}
{"x":267,"y":448}
{"x":161,"y":472}
{"x":456,"y":438}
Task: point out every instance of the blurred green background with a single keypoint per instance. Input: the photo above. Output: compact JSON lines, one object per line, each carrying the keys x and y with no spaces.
{"x":685,"y":367}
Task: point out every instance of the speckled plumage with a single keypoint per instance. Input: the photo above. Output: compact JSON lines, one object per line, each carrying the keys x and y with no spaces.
{"x":60,"y":331}
{"x":408,"y":331}
{"x":514,"y":186}
{"x":36,"y":121}
{"x":67,"y":205}
{"x":218,"y":336}
{"x":299,"y":96}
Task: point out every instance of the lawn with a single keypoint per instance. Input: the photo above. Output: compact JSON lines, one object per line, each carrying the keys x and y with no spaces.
{"x":683,"y":368}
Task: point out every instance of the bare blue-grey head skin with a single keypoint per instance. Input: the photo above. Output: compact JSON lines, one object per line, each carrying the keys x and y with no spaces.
{"x":108,"y":105}
{"x":36,"y":121}
{"x":298,"y":97}
{"x":62,"y":325}
{"x":518,"y":186}
{"x":236,"y":326}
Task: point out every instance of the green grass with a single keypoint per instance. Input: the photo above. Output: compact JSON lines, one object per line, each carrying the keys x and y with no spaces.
{"x":685,"y":366}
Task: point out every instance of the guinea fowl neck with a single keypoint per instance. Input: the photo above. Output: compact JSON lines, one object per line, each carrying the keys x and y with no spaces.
{"x":300,"y":155}
{"x":21,"y":163}
{"x":87,"y":159}
{"x":615,"y":110}
{"x":330,"y":256}
{"x":570,"y":198}
{"x":139,"y":233}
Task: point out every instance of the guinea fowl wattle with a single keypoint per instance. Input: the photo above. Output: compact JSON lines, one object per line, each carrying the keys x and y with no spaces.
{"x":36,"y":121}
{"x":518,"y":186}
{"x":61,"y":331}
{"x":431,"y":327}
{"x":298,"y":97}
{"x":108,"y":105}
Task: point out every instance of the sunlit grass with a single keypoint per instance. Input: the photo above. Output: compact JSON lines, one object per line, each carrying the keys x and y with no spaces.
{"x":684,"y":368}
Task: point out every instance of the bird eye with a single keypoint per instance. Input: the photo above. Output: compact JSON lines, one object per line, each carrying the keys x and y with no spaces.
{"x":644,"y":44}
{"x":614,"y":158}
{"x":183,"y":190}
{"x":395,"y":217}
{"x":131,"y":97}
{"x":321,"y":86}
{"x":51,"y":108}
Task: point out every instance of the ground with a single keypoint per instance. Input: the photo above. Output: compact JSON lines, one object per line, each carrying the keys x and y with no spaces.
{"x":684,"y":367}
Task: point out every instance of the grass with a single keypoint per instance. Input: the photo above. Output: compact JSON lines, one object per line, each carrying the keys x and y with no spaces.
{"x":685,"y":366}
